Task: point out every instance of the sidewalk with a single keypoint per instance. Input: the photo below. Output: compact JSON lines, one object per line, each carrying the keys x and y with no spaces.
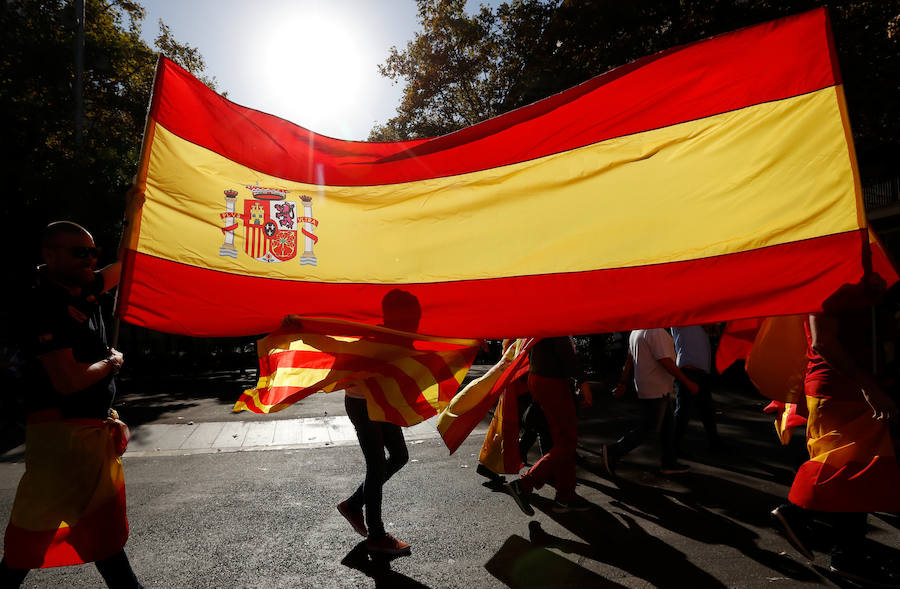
{"x":275,"y":434}
{"x":198,"y":420}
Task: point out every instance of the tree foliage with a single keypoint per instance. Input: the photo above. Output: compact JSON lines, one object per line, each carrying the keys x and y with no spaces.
{"x":46,"y":175}
{"x":462,"y":68}
{"x":186,"y":56}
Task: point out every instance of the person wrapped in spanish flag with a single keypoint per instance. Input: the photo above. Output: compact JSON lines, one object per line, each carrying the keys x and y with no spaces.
{"x":852,"y":469}
{"x":70,"y":503}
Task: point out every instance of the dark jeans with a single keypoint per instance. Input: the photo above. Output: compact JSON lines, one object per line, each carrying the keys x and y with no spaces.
{"x":685,"y":402}
{"x":115,"y":570}
{"x":534,"y":428}
{"x":848,"y":529}
{"x":657,"y":420}
{"x":374,"y":438}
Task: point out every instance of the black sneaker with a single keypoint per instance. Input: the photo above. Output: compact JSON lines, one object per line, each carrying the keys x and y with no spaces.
{"x":495,"y":478}
{"x":675,"y":468}
{"x":609,"y":463}
{"x":862,"y":568}
{"x":789,"y":518}
{"x":514,"y":488}
{"x":567,"y":505}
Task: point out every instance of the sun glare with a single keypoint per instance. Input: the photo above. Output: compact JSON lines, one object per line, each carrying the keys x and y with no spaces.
{"x":312,"y":69}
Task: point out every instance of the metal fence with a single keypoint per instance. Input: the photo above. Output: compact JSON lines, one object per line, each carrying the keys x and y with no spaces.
{"x":882,"y":194}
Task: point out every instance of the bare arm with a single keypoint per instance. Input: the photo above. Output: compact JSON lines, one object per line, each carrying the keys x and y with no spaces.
{"x":111,"y":275}
{"x":68,"y":376}
{"x":673,"y":369}
{"x":825,"y":341}
{"x":627,"y":371}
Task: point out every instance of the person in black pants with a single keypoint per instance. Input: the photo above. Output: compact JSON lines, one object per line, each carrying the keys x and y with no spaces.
{"x":534,"y":428}
{"x":402,"y":312}
{"x":374,"y":438}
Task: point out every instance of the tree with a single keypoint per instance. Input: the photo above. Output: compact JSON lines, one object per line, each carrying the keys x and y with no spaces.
{"x":452,"y":71}
{"x":186,"y":56}
{"x":46,"y":176}
{"x":460,"y":68}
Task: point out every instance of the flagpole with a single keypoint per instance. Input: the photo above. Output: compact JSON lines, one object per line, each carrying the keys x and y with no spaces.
{"x":134,"y":202}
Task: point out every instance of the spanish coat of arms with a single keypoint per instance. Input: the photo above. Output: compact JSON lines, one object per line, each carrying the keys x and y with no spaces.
{"x":272,"y":226}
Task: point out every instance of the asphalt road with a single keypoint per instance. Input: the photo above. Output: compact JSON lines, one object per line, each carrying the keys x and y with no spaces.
{"x":267,"y":518}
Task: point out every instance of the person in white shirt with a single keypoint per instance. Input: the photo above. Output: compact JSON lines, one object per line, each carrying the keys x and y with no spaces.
{"x":651,"y":361}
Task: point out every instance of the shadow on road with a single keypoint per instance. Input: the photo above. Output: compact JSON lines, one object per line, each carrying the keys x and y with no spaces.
{"x":378,"y":568}
{"x":623,"y":543}
{"x":689,"y":514}
{"x":521,"y":564}
{"x":145,"y":400}
{"x":621,"y":540}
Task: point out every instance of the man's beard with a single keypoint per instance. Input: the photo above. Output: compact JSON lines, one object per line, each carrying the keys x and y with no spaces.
{"x":77,"y":277}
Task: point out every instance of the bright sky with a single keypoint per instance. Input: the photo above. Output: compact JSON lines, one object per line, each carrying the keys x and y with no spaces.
{"x":312,"y":62}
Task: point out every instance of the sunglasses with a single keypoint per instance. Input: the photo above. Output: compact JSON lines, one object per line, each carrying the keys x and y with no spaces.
{"x":80,"y":252}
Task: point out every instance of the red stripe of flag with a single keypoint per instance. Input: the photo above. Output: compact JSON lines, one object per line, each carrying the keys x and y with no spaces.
{"x":391,"y":414}
{"x":745,"y":280}
{"x":758,"y":64}
{"x":283,"y":395}
{"x":344,"y":362}
{"x":443,"y":374}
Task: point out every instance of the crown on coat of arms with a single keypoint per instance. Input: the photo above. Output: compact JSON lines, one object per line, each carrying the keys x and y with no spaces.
{"x":264,"y":193}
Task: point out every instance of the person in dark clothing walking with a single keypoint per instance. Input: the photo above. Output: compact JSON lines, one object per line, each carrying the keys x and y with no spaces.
{"x":553,"y":366}
{"x":694,"y":359}
{"x":70,"y":504}
{"x":401,"y":312}
{"x":651,"y":361}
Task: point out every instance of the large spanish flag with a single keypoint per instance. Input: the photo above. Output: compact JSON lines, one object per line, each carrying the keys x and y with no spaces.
{"x":712,"y":181}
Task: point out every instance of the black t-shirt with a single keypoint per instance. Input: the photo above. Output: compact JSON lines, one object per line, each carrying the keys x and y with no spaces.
{"x":554,"y":357}
{"x":56,"y":320}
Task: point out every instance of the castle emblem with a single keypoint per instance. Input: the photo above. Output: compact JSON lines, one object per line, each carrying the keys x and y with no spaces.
{"x":271,"y":225}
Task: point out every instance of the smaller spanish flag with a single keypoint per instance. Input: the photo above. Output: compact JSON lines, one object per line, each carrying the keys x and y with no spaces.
{"x":406,"y":377}
{"x":70,"y":504}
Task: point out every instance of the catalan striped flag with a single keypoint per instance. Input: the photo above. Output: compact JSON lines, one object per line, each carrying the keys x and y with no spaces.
{"x":405,"y":377}
{"x":708,"y":182}
{"x":469,"y":406}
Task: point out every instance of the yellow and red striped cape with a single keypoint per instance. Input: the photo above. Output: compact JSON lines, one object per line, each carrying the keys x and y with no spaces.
{"x":852,"y":463}
{"x":708,"y":182}
{"x":405,"y":377}
{"x":70,"y":503}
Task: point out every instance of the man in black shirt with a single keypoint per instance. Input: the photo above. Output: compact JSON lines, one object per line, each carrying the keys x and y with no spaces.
{"x":70,"y":504}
